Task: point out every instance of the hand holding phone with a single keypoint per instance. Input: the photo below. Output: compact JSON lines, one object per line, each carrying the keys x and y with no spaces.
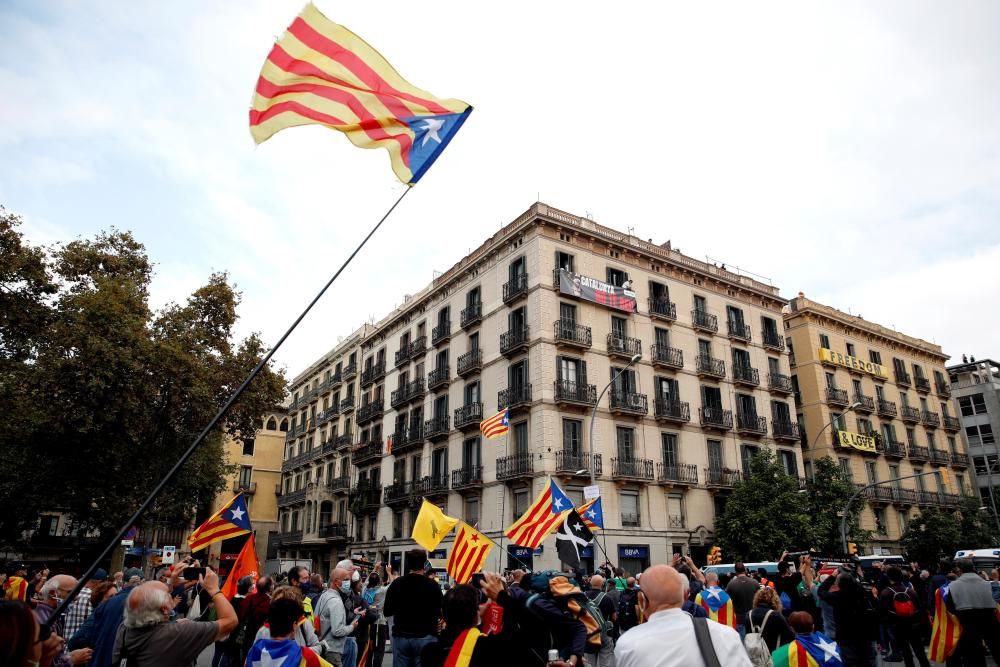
{"x":193,"y":573}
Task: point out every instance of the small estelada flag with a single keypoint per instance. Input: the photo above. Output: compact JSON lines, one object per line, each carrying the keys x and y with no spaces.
{"x":496,"y":425}
{"x":946,"y":630}
{"x":468,"y":554}
{"x":571,"y":539}
{"x":541,"y":518}
{"x":230,"y":521}
{"x":592,"y":514}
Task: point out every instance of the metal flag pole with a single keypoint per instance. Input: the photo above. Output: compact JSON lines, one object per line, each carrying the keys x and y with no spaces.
{"x":134,"y":519}
{"x":503,"y":502}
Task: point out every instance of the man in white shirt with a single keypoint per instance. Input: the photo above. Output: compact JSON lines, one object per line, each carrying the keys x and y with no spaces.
{"x":667,"y":638}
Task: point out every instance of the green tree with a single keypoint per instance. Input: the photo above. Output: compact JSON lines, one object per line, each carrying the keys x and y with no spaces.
{"x":938,"y":533}
{"x":765,"y":514}
{"x":826,"y":494}
{"x":101,"y":395}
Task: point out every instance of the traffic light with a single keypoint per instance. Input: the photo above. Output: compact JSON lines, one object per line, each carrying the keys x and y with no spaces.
{"x":852,"y":548}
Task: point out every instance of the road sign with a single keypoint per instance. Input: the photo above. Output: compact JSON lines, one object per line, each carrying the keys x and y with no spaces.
{"x":591,"y":492}
{"x":168,"y":555}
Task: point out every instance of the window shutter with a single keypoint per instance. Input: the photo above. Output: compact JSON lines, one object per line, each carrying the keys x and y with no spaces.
{"x":583,"y":372}
{"x":559,"y":365}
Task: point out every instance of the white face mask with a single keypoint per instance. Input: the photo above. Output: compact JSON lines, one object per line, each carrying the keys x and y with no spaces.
{"x":356,"y":576}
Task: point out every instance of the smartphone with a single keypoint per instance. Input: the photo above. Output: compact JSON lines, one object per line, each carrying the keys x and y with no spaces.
{"x":193,"y":573}
{"x":477,"y":580}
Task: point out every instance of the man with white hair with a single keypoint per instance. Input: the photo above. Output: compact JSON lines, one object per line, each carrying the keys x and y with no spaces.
{"x":148,"y":638}
{"x":53,"y":592}
{"x":690,"y":639}
{"x":332,"y":615}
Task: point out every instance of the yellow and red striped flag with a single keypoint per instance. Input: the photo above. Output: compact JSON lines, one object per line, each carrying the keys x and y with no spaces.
{"x":946,"y":630}
{"x":321,"y":73}
{"x":230,"y":521}
{"x":539,"y":520}
{"x":496,"y":425}
{"x":468,"y":554}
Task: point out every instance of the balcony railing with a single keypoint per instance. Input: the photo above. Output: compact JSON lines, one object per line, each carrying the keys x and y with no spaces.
{"x":707,"y":366}
{"x":514,"y":340}
{"x":338,"y":484}
{"x":704,"y":320}
{"x":402,"y":356}
{"x":292,"y":498}
{"x":575,"y":393}
{"x":515,"y":288}
{"x":738,"y":330}
{"x":407,"y":438}
{"x":886,"y":408}
{"x":779,"y":383}
{"x":959,"y":460}
{"x":952,"y":423}
{"x":470,"y":362}
{"x":680,"y":474}
{"x":246,"y":488}
{"x":366,"y":453}
{"x":417,"y":347}
{"x":632,"y":469}
{"x":785,"y":430}
{"x":365,"y":497}
{"x":892,"y":449}
{"x":716,"y":418}
{"x":750,"y":424}
{"x":372,"y":373}
{"x":436,"y":484}
{"x":837,"y":396}
{"x":328,"y":414}
{"x":902,"y":377}
{"x":290,"y":537}
{"x":333,"y":531}
{"x":415,"y":390}
{"x":662,"y":308}
{"x":439,"y":377}
{"x":514,"y":397}
{"x":344,"y":440}
{"x":922,"y":385}
{"x":865,"y":403}
{"x":515,"y":466}
{"x":569,"y":462}
{"x":626,"y":402}
{"x":441,"y":332}
{"x":436,"y":427}
{"x":623,"y":346}
{"x":568,"y":332}
{"x":721,"y":477}
{"x":939,"y":457}
{"x":371,"y":410}
{"x":931,"y":419}
{"x":747,"y":375}
{"x":943,"y":389}
{"x":347,"y":405}
{"x":918,"y":453}
{"x":350,"y":371}
{"x":468,"y":416}
{"x":670,"y":410}
{"x":471,"y":315}
{"x":772,"y":340}
{"x":467,"y":477}
{"x":669,"y":357}
{"x":909,"y":414}
{"x":398,"y":396}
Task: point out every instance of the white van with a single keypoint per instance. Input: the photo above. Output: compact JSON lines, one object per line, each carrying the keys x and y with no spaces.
{"x":982,"y":559}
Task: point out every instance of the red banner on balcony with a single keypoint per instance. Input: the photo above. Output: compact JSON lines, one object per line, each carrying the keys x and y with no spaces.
{"x":597,"y":291}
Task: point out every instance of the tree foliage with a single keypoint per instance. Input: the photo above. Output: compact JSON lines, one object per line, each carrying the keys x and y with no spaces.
{"x":826,"y":495}
{"x":937,"y":533}
{"x":101,"y":395}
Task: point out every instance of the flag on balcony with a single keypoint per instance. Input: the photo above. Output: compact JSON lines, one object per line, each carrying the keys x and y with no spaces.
{"x":592,"y":514}
{"x":230,"y":521}
{"x":496,"y":425}
{"x":946,"y":630}
{"x":468,"y":554}
{"x":246,"y":565}
{"x":431,"y":526}
{"x":321,"y":73}
{"x":572,"y":538}
{"x":541,"y":518}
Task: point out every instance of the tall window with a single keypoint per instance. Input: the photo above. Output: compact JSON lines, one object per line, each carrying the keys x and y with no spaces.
{"x":911,"y":437}
{"x":788,"y":463}
{"x":564,"y":260}
{"x":520,"y":501}
{"x":629,"y":501}
{"x":871,"y":471}
{"x":470,"y":452}
{"x":734,"y":316}
{"x":472,"y":393}
{"x":704,"y":347}
{"x":669,"y":443}
{"x":520,"y":438}
{"x":246,"y":473}
{"x":780,"y":412}
{"x":875,"y":357}
{"x":667,"y":390}
{"x":747,"y":452}
{"x":700,"y":304}
{"x":972,"y":405}
{"x":571,"y":371}
{"x":845,"y":466}
{"x":248,"y":447}
{"x":472,"y":510}
{"x":567,"y":315}
{"x":626,"y":442}
{"x":517,"y":268}
{"x":572,"y":430}
{"x":616,"y":277}
{"x":741,"y":358}
{"x":623,"y":383}
{"x":661,"y":337}
{"x":517,"y":374}
{"x":824,"y":341}
{"x":439,"y":464}
{"x":714,"y":454}
{"x":473,"y":341}
{"x":619,"y":327}
{"x":850,"y":350}
{"x":473,"y":297}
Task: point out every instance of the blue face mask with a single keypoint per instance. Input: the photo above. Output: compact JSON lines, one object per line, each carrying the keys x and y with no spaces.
{"x":306,"y":588}
{"x":345,"y":586}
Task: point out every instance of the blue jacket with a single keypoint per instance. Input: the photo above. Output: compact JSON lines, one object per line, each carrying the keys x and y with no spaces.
{"x":100,"y":629}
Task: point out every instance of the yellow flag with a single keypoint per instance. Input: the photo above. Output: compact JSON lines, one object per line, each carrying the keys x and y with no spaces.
{"x":431,"y":526}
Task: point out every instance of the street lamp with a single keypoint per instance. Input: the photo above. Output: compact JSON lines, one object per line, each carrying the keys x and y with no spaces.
{"x":593,"y":413}
{"x":812,"y":448}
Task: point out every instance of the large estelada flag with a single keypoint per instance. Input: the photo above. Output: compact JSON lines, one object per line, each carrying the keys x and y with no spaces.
{"x":717,"y":603}
{"x":592,"y":514}
{"x":230,"y":521}
{"x":496,"y":425}
{"x":246,"y":565}
{"x":946,"y":630}
{"x":280,"y":653}
{"x":541,"y":518}
{"x":468,"y":554}
{"x":812,"y":650}
{"x":320,"y":72}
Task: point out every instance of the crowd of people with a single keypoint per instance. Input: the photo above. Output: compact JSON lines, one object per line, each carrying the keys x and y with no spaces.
{"x":667,"y":615}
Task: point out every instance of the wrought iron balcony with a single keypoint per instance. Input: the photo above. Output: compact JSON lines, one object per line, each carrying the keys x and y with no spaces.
{"x":346,"y":439}
{"x":441,"y":333}
{"x":721,"y":477}
{"x":334,"y":532}
{"x":892,"y":449}
{"x":472,"y":315}
{"x":418,"y":346}
{"x":371,"y":374}
{"x":943,"y":389}
{"x":515,"y":288}
{"x":750,"y":424}
{"x":409,"y":438}
{"x":365,"y":498}
{"x":403,"y":355}
{"x":339,"y":484}
{"x":902,"y":377}
{"x":328,"y":414}
{"x":682,"y":474}
{"x":666,"y":357}
{"x":366,"y":453}
{"x":514,"y":397}
{"x":514,"y":340}
{"x":623,"y":346}
{"x":292,"y":498}
{"x":701,"y":319}
{"x":738,"y":330}
{"x":909,"y":414}
{"x":468,"y":416}
{"x":416,"y":390}
{"x":467,"y":478}
{"x":574,"y":393}
{"x":246,"y":488}
{"x":290,"y":537}
{"x":837,"y":396}
{"x":952,"y":423}
{"x":572,"y":463}
{"x":959,"y":460}
{"x":568,"y":332}
{"x":886,"y":408}
{"x":922,"y":385}
{"x":515,"y":466}
{"x":711,"y":367}
{"x":337,"y":378}
{"x":785,"y":430}
{"x":918,"y":453}
{"x":435,"y":485}
{"x":746,"y":375}
{"x":439,"y":377}
{"x":347,"y":405}
{"x":398,"y":396}
{"x":662,"y":309}
{"x":640,"y":470}
{"x":716,"y":418}
{"x":371,"y":410}
{"x":779,"y":384}
{"x":629,"y":403}
{"x":865,"y":403}
{"x":939,"y":457}
{"x":398,"y":493}
{"x":772,"y":340}
{"x":436,"y":427}
{"x":674,"y":411}
{"x":930,"y":419}
{"x":470,"y":362}
{"x":350,"y":371}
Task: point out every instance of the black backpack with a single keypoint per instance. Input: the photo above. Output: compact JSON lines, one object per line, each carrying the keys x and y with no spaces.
{"x":627,"y":618}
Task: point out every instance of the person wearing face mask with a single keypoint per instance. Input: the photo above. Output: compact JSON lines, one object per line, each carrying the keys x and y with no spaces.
{"x":358,"y":608}
{"x":331,"y":610}
{"x":298,"y":576}
{"x":52,"y":593}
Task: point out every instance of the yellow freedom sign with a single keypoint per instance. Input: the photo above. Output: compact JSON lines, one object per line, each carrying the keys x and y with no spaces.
{"x":853,"y":363}
{"x":865,"y":443}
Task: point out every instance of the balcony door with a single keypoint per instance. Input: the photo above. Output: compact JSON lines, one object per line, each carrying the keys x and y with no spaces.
{"x":705,"y":348}
{"x":567,"y":316}
{"x":517,"y":321}
{"x":626,"y":443}
{"x":700,"y":305}
{"x":624,"y":383}
{"x":520,"y":439}
{"x":570,"y":372}
{"x":517,"y":375}
{"x":669,"y":443}
{"x":714,"y":454}
{"x":518,"y":268}
{"x":780,"y":412}
{"x":471,"y":453}
{"x":667,"y":390}
{"x":472,"y":393}
{"x":741,"y":358}
{"x":747,"y":406}
{"x":441,"y":407}
{"x":735,"y":316}
{"x":711,"y":399}
{"x":439,"y":463}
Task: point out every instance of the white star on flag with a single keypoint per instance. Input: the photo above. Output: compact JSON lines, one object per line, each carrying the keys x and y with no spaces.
{"x":237,"y":514}
{"x":829,"y":649}
{"x":432,"y":125}
{"x":713,"y":593}
{"x":267,"y":661}
{"x":558,"y":502}
{"x":591,"y":514}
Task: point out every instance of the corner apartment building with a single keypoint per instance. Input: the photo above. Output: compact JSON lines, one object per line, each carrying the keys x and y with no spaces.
{"x":879,"y":402}
{"x":975,"y":387}
{"x":538,"y":320}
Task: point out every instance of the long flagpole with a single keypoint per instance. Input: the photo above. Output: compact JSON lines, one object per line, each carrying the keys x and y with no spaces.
{"x":503,"y":502}
{"x":211,"y":425}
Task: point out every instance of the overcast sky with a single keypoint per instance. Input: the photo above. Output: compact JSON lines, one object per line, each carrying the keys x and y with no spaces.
{"x":850,"y":151}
